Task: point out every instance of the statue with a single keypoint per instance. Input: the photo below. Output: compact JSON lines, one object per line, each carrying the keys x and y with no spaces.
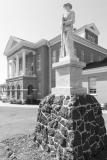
{"x":68,"y":20}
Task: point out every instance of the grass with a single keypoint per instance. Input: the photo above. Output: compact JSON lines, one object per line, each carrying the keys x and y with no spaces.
{"x":16,"y":121}
{"x":16,"y":128}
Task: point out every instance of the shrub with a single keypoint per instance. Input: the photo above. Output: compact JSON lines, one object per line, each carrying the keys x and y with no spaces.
{"x":13,"y":101}
{"x":19,"y":101}
{"x":28,"y":100}
{"x":37,"y":101}
{"x":4,"y":100}
{"x":31,"y":100}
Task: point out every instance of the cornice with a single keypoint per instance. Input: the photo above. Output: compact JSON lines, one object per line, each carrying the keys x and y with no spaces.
{"x":94,"y":70}
{"x":55,"y":40}
{"x":26,"y":44}
{"x":82,"y":41}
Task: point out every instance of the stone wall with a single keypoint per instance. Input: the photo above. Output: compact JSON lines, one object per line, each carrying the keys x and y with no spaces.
{"x":70,"y":127}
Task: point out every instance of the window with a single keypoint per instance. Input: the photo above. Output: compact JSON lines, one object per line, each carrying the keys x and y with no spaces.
{"x":39,"y":62}
{"x":75,"y":51}
{"x":60,"y":53}
{"x":82,"y":55}
{"x":30,"y":89}
{"x":18,"y":92}
{"x":8,"y":91}
{"x":92,"y":85}
{"x":39,"y":87}
{"x":99,"y":58}
{"x":54,"y":57}
{"x":20,"y":64}
{"x":13,"y":91}
{"x":91,"y":38}
{"x":53,"y":83}
{"x":91,"y":58}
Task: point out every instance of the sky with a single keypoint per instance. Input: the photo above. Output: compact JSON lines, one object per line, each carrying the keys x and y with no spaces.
{"x":34,"y":20}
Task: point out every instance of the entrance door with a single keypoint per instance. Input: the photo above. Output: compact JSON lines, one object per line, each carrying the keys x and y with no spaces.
{"x":30,"y":90}
{"x":18,"y":91}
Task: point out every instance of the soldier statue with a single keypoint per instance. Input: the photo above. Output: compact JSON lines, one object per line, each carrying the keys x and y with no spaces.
{"x":68,"y":20}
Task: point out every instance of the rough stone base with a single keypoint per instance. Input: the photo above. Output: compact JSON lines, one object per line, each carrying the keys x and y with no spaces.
{"x":71,"y":127}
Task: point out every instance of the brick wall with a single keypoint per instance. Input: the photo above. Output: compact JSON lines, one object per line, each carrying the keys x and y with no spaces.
{"x":43,"y":74}
{"x":87,"y":52}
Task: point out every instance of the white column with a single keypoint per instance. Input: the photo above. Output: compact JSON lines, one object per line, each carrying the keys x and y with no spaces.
{"x":7,"y":68}
{"x":12,"y":68}
{"x":24,"y":61}
{"x":17,"y":65}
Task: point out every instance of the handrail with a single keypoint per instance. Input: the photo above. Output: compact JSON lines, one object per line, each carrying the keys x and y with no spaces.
{"x":29,"y":72}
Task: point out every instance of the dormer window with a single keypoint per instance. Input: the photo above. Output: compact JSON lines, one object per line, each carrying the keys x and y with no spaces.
{"x":91,"y":38}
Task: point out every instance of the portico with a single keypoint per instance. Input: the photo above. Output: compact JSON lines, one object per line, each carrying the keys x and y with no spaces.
{"x":16,"y":68}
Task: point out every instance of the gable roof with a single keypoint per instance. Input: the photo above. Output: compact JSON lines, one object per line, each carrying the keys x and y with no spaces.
{"x":11,"y":43}
{"x":15,"y":43}
{"x":91,"y":27}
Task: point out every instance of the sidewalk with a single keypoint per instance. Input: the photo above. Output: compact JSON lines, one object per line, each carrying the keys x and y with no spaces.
{"x":18,"y":105}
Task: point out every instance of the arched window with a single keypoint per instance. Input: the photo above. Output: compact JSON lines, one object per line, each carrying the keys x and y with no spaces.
{"x":30,"y":89}
{"x":18,"y":91}
{"x":8,"y":91}
{"x":13,"y":91}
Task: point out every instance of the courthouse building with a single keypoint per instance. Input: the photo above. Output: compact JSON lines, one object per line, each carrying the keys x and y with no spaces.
{"x":29,"y":65}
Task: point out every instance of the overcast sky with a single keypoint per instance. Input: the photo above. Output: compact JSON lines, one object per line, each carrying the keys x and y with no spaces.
{"x":33,"y":20}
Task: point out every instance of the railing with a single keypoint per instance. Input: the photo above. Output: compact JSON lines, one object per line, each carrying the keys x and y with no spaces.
{"x":20,"y":73}
{"x":28,"y":72}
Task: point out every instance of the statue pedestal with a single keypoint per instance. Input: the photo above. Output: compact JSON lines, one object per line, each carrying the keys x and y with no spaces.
{"x":68,"y":77}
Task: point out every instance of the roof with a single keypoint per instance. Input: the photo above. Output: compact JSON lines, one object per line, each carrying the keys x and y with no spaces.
{"x":92,"y":27}
{"x":96,"y":64}
{"x":14,"y":43}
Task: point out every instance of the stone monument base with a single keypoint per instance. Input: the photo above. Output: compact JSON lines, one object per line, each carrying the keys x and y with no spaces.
{"x":68,"y":77}
{"x":71,"y":127}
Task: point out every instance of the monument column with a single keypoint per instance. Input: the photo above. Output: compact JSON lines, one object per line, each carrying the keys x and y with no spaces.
{"x":24,"y":61}
{"x":34,"y":63}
